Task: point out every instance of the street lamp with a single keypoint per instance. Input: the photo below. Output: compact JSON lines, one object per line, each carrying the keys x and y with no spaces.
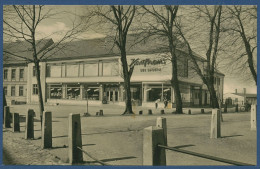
{"x":87,"y":113}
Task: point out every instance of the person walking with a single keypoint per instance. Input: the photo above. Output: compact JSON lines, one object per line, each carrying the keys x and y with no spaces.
{"x":165,"y":102}
{"x":156,"y":103}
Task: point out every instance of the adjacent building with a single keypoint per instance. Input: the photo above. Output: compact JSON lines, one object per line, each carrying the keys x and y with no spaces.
{"x":91,"y":70}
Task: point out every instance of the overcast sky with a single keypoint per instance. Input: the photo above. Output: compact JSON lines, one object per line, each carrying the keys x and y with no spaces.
{"x":63,"y":23}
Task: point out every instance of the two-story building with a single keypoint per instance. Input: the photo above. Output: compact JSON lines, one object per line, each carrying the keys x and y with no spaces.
{"x":91,"y":69}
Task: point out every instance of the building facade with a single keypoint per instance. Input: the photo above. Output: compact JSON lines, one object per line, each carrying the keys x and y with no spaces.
{"x":95,"y":75}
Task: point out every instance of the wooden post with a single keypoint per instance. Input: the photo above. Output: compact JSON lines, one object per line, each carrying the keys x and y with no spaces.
{"x":152,"y":154}
{"x":16,"y":122}
{"x":161,"y":122}
{"x":29,"y":126}
{"x":75,"y":140}
{"x":140,"y":112}
{"x":225,"y":108}
{"x":162,"y":111}
{"x":236,"y":108}
{"x":189,"y":112}
{"x":215,"y":131}
{"x":47,"y":130}
{"x":150,"y":112}
{"x":253,"y":117}
{"x":7,"y":121}
{"x":101,"y":113}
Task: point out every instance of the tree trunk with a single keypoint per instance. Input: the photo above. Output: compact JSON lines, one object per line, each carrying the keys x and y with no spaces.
{"x":41,"y":106}
{"x":213,"y":95}
{"x":128,"y":103}
{"x":175,"y":85}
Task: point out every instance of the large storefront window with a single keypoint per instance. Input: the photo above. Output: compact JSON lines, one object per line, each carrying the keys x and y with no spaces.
{"x":55,"y":91}
{"x":91,"y":69}
{"x":73,"y":91}
{"x":72,"y":70}
{"x":91,"y":92}
{"x":154,"y":94}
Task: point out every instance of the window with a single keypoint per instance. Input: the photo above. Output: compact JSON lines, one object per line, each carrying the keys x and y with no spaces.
{"x":12,"y":90}
{"x":5,"y":90}
{"x":34,"y":70}
{"x":91,"y":93}
{"x":5,"y":74}
{"x":13,"y":74}
{"x":73,"y":91}
{"x":20,"y":90}
{"x":91,"y":69}
{"x":218,"y":81}
{"x":35,"y":89}
{"x":154,"y":93}
{"x":55,"y":91}
{"x":21,"y":74}
{"x":110,"y":68}
{"x":54,"y":71}
{"x":72,"y":70}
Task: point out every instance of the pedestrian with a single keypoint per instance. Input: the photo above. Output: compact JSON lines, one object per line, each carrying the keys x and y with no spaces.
{"x":165,"y":102}
{"x":156,"y":103}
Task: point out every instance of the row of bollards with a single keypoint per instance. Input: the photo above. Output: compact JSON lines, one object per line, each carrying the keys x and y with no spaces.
{"x":150,"y":112}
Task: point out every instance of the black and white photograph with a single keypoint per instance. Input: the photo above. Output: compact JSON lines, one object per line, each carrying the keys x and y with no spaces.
{"x":129,"y":85}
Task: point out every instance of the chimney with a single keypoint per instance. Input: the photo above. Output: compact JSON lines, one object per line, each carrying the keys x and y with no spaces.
{"x":236,"y":91}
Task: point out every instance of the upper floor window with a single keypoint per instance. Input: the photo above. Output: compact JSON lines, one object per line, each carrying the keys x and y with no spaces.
{"x":12,"y":90}
{"x":13,"y":74}
{"x":20,"y":90}
{"x":182,"y":65}
{"x":110,"y":69}
{"x":34,"y":70}
{"x":5,"y":90}
{"x":53,"y":71}
{"x":5,"y":74}
{"x":72,"y":70}
{"x":91,"y":69}
{"x":21,"y":74}
{"x":35,"y":89}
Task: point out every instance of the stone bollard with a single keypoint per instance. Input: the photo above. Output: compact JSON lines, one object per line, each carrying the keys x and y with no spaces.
{"x":101,"y":113}
{"x":162,"y":112}
{"x":215,"y":131}
{"x":225,"y":108}
{"x":150,"y":112}
{"x":16,"y":122}
{"x":161,"y":122}
{"x":202,"y":111}
{"x":189,"y":112}
{"x":47,"y":130}
{"x":29,"y":126}
{"x":97,"y":113}
{"x":152,"y":154}
{"x":75,"y":140}
{"x":253,"y":117}
{"x":140,"y":112}
{"x":236,"y":108}
{"x":7,"y":120}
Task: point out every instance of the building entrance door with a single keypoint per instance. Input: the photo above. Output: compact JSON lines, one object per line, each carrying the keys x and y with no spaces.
{"x":112,"y":96}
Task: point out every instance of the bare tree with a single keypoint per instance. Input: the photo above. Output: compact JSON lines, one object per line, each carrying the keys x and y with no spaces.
{"x":165,"y":28}
{"x":241,"y":23}
{"x":121,"y":18}
{"x":21,"y":22}
{"x":213,"y":30}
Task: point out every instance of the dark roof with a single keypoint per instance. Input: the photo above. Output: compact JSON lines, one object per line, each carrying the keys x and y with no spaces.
{"x":92,"y":48}
{"x":23,"y":49}
{"x":247,"y":94}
